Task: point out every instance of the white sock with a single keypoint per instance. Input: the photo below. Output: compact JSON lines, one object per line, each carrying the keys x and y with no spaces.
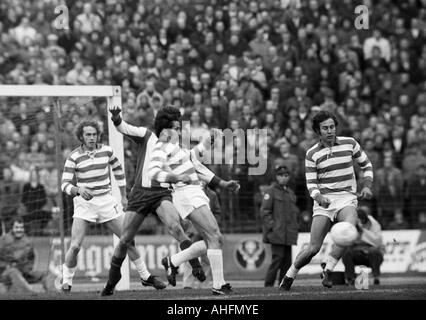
{"x":216,"y":263}
{"x":142,"y":269}
{"x":194,"y":251}
{"x":331,"y":263}
{"x":67,"y":274}
{"x":292,"y":272}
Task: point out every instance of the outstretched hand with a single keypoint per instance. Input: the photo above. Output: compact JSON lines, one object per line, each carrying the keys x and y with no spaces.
{"x":232,"y":185}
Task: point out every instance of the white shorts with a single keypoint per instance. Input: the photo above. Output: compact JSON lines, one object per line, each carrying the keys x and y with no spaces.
{"x":98,"y":209}
{"x":337,"y":203}
{"x":188,"y":198}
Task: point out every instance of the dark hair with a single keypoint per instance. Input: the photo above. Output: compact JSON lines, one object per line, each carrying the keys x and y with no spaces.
{"x":280,"y":169}
{"x":17,"y":220}
{"x":86,"y":123}
{"x":165,"y":118}
{"x":320,"y":117}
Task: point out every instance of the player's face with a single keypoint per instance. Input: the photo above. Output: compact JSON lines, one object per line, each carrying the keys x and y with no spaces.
{"x":90,"y":137}
{"x":328,"y":131}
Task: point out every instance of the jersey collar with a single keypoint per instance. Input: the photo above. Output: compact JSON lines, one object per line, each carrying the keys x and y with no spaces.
{"x":337,"y":141}
{"x":81,"y":149}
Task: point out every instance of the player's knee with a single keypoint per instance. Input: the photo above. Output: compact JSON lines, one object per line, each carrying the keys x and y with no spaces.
{"x":215,"y":238}
{"x":75,"y":247}
{"x":176,"y":230}
{"x":219,"y":238}
{"x":125,"y":243}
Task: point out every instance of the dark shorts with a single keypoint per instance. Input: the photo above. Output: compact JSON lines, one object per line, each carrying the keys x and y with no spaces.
{"x":146,"y":200}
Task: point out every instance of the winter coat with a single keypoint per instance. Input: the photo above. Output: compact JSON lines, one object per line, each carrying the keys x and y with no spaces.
{"x":279,"y":215}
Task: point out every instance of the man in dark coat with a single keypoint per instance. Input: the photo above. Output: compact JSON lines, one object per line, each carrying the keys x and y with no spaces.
{"x":280,"y":229}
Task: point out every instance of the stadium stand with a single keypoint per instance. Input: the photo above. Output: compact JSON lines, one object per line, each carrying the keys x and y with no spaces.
{"x":229,"y":64}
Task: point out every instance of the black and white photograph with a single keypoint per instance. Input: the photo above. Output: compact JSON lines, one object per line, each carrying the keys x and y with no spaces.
{"x":213,"y":159}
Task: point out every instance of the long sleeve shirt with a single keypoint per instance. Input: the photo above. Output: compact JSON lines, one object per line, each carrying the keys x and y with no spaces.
{"x":90,"y":169}
{"x":170,"y":158}
{"x":330,"y":170}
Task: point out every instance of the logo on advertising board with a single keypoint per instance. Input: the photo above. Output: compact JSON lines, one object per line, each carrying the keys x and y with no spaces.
{"x":249,"y":254}
{"x":418,"y":258}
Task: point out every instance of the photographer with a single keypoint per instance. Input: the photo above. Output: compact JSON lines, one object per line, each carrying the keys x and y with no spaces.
{"x":368,"y":250}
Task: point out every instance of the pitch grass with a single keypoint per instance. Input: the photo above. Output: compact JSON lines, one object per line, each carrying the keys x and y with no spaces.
{"x":317,"y":292}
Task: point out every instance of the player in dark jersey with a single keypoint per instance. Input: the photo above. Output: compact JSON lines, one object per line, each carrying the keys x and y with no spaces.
{"x":145,"y":197}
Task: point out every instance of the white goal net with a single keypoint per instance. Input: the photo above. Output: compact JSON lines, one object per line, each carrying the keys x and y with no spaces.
{"x":38,"y":132}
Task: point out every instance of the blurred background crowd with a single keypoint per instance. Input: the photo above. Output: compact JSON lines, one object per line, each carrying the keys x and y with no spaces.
{"x":226,"y":64}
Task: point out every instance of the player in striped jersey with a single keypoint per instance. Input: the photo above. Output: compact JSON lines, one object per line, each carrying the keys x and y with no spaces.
{"x":88,"y":166}
{"x":330,"y":179}
{"x":168,"y":161}
{"x":150,"y":196}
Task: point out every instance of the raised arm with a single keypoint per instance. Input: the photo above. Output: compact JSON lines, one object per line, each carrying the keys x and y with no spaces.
{"x":137,"y":134}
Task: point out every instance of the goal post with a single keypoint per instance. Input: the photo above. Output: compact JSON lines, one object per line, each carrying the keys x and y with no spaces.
{"x":112,"y":94}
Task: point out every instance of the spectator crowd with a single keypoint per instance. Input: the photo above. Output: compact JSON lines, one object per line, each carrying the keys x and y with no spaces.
{"x":226,"y":64}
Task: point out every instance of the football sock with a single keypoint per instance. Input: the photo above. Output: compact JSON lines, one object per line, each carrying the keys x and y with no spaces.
{"x":195,"y":263}
{"x":331,"y":263}
{"x":141,"y":268}
{"x":67,"y":274}
{"x":216,"y":263}
{"x":292,"y":272}
{"x":114,"y":274}
{"x":192,"y":253}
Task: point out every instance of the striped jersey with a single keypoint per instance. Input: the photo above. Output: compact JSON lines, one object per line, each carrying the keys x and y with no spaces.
{"x":146,"y":141}
{"x":330,"y":170}
{"x":90,"y":169}
{"x":169,"y":157}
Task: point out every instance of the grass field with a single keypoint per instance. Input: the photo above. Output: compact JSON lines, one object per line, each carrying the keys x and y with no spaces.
{"x":391,"y":288}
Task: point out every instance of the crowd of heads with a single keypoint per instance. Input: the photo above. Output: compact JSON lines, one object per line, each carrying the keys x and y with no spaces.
{"x":226,"y":64}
